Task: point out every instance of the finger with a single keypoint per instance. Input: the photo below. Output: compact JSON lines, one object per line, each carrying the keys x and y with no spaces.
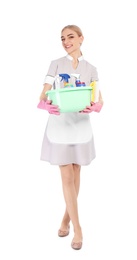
{"x":55,"y":112}
{"x":85,"y":111}
{"x":87,"y":107}
{"x":92,"y":103}
{"x":54,"y":106}
{"x":48,"y":101}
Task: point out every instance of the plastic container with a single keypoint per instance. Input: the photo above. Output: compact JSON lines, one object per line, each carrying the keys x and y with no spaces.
{"x":80,"y":84}
{"x":70,"y":99}
{"x":95,"y":91}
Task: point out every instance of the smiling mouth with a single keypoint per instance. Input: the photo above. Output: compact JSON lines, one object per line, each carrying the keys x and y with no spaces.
{"x":68,"y":46}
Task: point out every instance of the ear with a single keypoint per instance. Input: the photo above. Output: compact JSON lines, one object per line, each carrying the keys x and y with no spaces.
{"x":81,"y":39}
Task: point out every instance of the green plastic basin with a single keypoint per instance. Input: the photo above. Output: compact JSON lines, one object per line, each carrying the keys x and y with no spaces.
{"x":70,"y":99}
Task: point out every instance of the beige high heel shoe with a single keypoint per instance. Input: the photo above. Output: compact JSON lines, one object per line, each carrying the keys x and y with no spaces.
{"x":63,"y":233}
{"x":76,"y":245}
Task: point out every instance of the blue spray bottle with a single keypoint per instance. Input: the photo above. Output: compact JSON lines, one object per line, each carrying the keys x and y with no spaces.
{"x":65,"y":78}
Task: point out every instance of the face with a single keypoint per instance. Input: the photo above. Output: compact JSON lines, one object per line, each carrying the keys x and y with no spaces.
{"x":71,"y":41}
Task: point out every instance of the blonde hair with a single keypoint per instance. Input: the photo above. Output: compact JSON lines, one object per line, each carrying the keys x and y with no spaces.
{"x":73,"y":27}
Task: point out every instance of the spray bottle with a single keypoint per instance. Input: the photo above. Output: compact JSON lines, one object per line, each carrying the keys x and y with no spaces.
{"x":65,"y":79}
{"x":57,"y":82}
{"x":77,"y":81}
{"x":77,"y":78}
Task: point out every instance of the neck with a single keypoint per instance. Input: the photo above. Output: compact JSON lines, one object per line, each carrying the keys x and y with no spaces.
{"x":75,"y":55}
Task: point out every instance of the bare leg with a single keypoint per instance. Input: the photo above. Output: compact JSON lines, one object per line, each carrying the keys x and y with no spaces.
{"x":66,"y":218}
{"x":70,"y":175}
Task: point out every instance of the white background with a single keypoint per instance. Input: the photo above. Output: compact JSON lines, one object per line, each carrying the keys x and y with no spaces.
{"x":31,"y":199}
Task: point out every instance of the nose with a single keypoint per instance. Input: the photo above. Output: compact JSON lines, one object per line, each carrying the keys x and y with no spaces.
{"x":66,"y":41}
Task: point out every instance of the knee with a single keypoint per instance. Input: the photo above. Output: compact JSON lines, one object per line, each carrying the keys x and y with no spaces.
{"x":76,"y":168}
{"x":67,"y":174}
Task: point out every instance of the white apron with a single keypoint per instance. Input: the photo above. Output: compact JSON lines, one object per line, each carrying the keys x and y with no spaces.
{"x":69,"y":128}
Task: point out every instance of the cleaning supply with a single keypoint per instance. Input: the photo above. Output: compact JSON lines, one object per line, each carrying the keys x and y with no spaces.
{"x":64,"y":78}
{"x":95,"y":91}
{"x":57,"y":82}
{"x":68,"y":85}
{"x":65,"y":81}
{"x":70,"y":99}
{"x":77,"y":78}
{"x":78,"y":83}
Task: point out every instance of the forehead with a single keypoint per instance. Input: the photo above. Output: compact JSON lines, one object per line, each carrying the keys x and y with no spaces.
{"x":67,"y":32}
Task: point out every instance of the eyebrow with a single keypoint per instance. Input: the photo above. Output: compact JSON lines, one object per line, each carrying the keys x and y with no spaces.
{"x":67,"y":35}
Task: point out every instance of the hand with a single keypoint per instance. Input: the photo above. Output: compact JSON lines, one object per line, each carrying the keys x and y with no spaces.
{"x":95,"y":107}
{"x":47,"y":105}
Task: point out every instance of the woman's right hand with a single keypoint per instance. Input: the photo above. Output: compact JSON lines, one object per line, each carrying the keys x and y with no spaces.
{"x":47,"y":105}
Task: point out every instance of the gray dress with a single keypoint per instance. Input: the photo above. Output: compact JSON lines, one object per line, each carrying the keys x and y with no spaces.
{"x":68,"y":137}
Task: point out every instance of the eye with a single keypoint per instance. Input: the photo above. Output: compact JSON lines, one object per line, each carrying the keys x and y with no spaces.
{"x":62,"y":39}
{"x":71,"y":37}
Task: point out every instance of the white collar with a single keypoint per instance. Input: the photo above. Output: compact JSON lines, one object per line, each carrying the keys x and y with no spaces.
{"x":71,"y":58}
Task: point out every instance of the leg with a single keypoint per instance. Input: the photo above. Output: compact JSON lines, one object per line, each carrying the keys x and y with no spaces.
{"x":76,"y":173}
{"x":70,"y":175}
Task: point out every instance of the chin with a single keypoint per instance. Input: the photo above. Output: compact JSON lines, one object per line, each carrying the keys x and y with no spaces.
{"x":68,"y":51}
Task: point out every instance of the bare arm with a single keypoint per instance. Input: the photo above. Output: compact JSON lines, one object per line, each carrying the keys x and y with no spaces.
{"x":100,"y":98}
{"x":46,"y":87}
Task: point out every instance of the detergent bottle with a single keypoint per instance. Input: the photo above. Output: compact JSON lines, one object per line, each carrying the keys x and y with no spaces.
{"x":95,"y":91}
{"x":78,"y":83}
{"x":65,"y":78}
{"x":77,"y":78}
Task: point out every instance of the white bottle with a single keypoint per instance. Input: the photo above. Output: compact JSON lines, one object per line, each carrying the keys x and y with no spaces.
{"x":77,"y":77}
{"x":57,"y":82}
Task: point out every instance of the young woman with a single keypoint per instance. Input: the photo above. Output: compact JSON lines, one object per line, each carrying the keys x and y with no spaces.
{"x":65,"y":143}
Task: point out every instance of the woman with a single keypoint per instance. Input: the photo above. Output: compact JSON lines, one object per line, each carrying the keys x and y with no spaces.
{"x":65,"y":143}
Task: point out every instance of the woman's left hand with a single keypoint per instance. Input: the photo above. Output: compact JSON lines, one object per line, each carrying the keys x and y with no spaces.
{"x":95,"y":107}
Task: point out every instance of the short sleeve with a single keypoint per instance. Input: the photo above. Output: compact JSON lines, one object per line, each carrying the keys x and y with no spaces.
{"x":94,"y":74}
{"x":50,"y":76}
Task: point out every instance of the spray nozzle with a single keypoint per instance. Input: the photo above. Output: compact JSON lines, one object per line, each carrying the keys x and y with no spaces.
{"x":77,"y":76}
{"x":64,"y":77}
